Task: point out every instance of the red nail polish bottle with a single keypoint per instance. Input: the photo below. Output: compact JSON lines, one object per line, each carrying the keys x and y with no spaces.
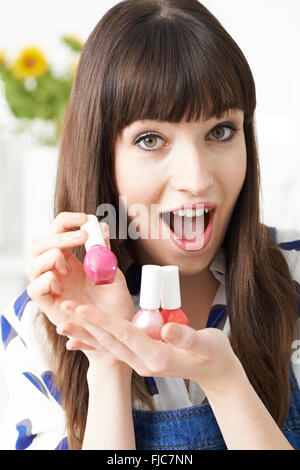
{"x":170,"y":296}
{"x":149,"y":318}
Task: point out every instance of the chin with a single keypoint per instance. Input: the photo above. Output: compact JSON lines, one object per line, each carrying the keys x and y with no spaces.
{"x":188,"y":270}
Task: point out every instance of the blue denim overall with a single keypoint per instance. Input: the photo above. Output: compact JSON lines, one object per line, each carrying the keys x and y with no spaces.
{"x":195,"y":427}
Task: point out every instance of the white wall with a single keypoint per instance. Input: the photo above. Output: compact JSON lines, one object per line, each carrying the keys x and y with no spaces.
{"x":269,"y":35}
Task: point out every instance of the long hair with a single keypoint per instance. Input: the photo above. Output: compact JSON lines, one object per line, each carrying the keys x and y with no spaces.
{"x":170,"y":60}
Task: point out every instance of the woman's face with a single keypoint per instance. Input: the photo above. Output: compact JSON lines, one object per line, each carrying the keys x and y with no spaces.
{"x":196,"y":162}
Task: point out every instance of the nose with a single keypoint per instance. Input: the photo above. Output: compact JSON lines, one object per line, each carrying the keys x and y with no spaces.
{"x":192,"y":170}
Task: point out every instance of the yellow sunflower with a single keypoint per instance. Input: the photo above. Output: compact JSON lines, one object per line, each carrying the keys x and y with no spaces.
{"x":74,"y":66}
{"x":30,"y":63}
{"x":1,"y":57}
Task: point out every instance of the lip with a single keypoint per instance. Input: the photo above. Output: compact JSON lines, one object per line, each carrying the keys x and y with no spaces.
{"x":194,"y":206}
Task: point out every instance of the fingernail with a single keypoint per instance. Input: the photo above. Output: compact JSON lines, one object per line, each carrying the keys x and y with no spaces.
{"x":69,"y":345}
{"x":77,"y":215}
{"x":77,"y":234}
{"x":68,"y":267}
{"x":66,"y":306}
{"x":80,"y":313}
{"x":173,"y":333}
{"x":104,"y":228}
{"x":65,"y":269}
{"x":61,"y":331}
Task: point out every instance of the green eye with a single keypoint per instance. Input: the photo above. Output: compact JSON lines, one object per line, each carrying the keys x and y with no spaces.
{"x":218,"y":133}
{"x":149,"y":141}
{"x":223,"y":133}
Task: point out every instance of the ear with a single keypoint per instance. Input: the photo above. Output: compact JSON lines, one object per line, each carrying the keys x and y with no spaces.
{"x":105,"y":231}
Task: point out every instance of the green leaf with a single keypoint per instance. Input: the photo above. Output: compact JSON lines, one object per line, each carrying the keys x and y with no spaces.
{"x":47,"y":101}
{"x":72,"y":42}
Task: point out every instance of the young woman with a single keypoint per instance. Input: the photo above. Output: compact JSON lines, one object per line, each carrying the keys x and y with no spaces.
{"x":162,"y":112}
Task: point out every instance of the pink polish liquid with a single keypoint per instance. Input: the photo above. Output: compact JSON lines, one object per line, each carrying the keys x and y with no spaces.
{"x":100,"y":263}
{"x":170,"y":296}
{"x":149,"y":318}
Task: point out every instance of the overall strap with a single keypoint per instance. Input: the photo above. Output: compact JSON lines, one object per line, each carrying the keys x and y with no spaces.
{"x":297,"y":285}
{"x":273,"y":231}
{"x":293,"y":245}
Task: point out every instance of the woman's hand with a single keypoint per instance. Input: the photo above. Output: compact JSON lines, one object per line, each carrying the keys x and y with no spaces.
{"x":56,"y":274}
{"x":205,"y":356}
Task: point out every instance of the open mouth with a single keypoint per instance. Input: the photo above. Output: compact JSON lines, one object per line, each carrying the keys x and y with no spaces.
{"x":178,"y":223}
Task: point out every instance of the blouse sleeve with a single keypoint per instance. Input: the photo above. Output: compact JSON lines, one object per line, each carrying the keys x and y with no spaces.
{"x":33,"y":417}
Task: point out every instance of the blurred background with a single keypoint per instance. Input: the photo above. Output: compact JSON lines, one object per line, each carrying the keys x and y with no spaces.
{"x":40,"y":43}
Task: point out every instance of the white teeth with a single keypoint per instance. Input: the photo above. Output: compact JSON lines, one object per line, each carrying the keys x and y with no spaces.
{"x":191,"y":212}
{"x":181,"y":212}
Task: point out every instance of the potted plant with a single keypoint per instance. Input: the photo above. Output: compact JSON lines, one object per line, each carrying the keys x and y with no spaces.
{"x":37,"y":96}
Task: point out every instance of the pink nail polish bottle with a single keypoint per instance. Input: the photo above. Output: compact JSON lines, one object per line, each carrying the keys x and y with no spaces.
{"x":170,"y":296}
{"x":149,"y":318}
{"x":100,"y":263}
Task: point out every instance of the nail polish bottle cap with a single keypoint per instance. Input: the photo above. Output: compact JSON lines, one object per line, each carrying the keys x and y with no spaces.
{"x":150,"y":287}
{"x":170,"y":288}
{"x":93,"y":229}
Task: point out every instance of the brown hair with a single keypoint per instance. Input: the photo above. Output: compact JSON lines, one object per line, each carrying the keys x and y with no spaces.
{"x":169,"y":60}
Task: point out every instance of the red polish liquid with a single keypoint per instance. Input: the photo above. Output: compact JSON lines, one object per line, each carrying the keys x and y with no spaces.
{"x":170,"y":296}
{"x":176,"y":316}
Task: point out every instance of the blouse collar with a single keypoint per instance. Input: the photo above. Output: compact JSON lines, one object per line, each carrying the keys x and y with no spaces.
{"x":133,"y":271}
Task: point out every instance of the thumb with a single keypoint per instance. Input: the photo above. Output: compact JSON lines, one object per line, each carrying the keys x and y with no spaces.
{"x":105,"y":232}
{"x":200,"y":342}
